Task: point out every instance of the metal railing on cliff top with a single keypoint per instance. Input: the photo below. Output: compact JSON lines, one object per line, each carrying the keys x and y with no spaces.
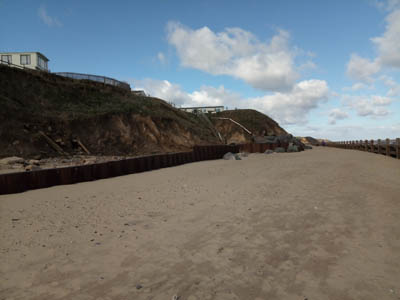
{"x":97,"y":78}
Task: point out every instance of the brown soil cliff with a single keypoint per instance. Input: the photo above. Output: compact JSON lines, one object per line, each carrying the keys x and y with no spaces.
{"x":107,"y":120}
{"x":257,"y":123}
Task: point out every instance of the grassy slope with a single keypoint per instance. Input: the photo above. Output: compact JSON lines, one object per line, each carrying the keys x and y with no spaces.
{"x":34,"y":96}
{"x":41,"y":99}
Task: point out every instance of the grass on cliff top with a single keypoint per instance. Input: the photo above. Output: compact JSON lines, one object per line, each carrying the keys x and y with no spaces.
{"x":35,"y":95}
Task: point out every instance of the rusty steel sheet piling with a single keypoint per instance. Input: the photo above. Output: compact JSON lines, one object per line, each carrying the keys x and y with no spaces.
{"x":22,"y":181}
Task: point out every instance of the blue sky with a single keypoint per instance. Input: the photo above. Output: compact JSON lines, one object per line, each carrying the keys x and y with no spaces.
{"x":328,"y":69}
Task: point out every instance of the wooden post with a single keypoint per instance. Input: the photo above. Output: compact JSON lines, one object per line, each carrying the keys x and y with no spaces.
{"x":379,"y":146}
{"x":372,"y":146}
{"x":398,"y":148}
{"x":387,"y":147}
{"x":366,"y":146}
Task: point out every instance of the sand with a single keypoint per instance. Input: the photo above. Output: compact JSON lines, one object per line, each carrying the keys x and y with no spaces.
{"x":320,"y":224}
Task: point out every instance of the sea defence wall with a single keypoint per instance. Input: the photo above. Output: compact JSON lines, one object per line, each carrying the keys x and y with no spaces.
{"x":30,"y":180}
{"x":385,"y":147}
{"x":23,"y":181}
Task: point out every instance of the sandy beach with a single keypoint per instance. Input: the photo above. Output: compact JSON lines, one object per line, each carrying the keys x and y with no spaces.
{"x":319,"y":224}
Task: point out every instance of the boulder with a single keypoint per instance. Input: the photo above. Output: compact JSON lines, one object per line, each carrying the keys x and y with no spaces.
{"x":292,"y":148}
{"x":11,"y":160}
{"x":279,"y":150}
{"x":229,"y":156}
{"x":269,"y":151}
{"x":244,"y":154}
{"x":307,"y":147}
{"x":288,"y":138}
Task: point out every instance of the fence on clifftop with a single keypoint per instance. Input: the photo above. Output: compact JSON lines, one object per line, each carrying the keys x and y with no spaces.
{"x":97,"y":78}
{"x":386,"y":147}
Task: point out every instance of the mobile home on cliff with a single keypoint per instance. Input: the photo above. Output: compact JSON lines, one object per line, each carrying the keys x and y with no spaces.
{"x":29,"y":60}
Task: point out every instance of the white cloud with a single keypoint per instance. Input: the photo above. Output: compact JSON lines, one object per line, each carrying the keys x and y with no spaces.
{"x":48,"y":20}
{"x":380,"y":101}
{"x":350,"y":132}
{"x":206,"y":95}
{"x":394,"y":87}
{"x":162,"y":89}
{"x":387,"y":5}
{"x":388,"y":49}
{"x":389,"y":43}
{"x":286,"y":108}
{"x":337,"y":114}
{"x":373,"y":106}
{"x":293,"y":107}
{"x":358,"y":86}
{"x":161,"y":57}
{"x":362,"y":69}
{"x":238,"y":53}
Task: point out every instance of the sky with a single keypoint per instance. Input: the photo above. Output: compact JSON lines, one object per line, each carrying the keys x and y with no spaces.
{"x":327,"y":69}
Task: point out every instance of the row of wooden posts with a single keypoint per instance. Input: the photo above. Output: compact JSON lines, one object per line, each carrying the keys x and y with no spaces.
{"x":384,"y":147}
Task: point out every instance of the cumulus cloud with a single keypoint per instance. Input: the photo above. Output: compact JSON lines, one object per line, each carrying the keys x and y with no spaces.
{"x":362,"y":69}
{"x":286,"y":108}
{"x":387,"y":5}
{"x":162,"y":89}
{"x":373,"y":106}
{"x":238,"y":53}
{"x":293,"y":107}
{"x":205,"y":96}
{"x":48,"y":20}
{"x":394,"y":87}
{"x":389,"y":43}
{"x":161,"y":57}
{"x":351,"y":132}
{"x":337,"y":114}
{"x":388,"y":49}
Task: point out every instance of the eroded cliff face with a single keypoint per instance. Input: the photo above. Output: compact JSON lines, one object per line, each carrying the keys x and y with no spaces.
{"x":231,"y":132}
{"x":137,"y":134}
{"x":41,"y":112}
{"x":117,"y":134}
{"x":37,"y":107}
{"x":257,"y":123}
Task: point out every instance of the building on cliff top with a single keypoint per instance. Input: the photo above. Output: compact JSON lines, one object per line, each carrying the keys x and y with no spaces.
{"x":25,"y":60}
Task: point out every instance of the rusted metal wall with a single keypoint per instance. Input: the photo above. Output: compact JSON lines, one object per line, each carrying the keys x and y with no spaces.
{"x":22,"y":181}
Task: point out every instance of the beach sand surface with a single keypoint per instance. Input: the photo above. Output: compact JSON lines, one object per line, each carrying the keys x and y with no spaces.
{"x":319,"y":224}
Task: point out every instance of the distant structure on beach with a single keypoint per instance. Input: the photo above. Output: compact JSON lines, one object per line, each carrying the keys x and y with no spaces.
{"x":203,"y":109}
{"x":25,"y":60}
